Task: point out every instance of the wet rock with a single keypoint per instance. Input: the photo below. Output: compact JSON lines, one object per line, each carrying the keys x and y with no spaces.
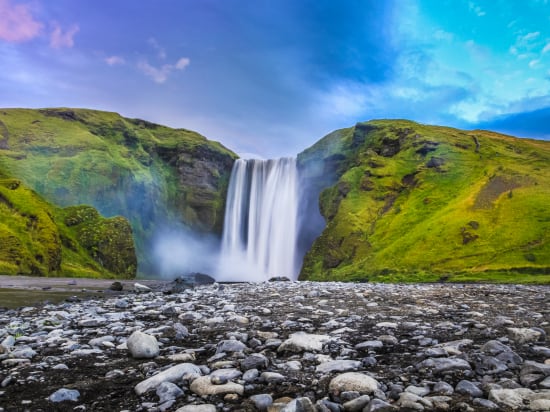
{"x":468,"y":388}
{"x":378,"y":405}
{"x":116,"y":286}
{"x":168,"y":391}
{"x":357,"y":404}
{"x":262,"y":401}
{"x":203,"y":386}
{"x":63,"y":394}
{"x":173,"y":374}
{"x":353,"y":381}
{"x":302,"y":341}
{"x":524,"y":335}
{"x":142,"y":345}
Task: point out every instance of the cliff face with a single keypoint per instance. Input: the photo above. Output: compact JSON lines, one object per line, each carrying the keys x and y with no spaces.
{"x":403,"y":201}
{"x":150,"y":174}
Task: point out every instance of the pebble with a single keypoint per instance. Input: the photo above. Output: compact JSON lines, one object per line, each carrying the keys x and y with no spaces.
{"x":285,"y":346}
{"x":64,"y":394}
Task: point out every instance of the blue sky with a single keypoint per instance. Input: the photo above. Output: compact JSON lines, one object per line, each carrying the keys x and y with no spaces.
{"x":271,"y":77}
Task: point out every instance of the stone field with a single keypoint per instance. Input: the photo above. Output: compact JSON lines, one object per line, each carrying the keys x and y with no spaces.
{"x":282,"y":346}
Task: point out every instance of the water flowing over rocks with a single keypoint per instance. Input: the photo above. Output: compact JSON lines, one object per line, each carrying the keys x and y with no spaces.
{"x":282,"y":346}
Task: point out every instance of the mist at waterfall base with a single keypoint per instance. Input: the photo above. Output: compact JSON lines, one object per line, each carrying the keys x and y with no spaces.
{"x":179,"y":251}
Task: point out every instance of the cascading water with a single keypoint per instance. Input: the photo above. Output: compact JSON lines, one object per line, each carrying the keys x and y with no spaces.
{"x":261,"y":221}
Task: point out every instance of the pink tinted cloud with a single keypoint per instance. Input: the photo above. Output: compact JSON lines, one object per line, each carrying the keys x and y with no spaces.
{"x":60,"y":39}
{"x":114,"y":60}
{"x":17,"y":23}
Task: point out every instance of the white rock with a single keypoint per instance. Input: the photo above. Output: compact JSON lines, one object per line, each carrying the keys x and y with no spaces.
{"x":524,"y":335}
{"x":510,"y":398}
{"x":175,"y":373}
{"x":301,"y":341}
{"x":63,"y":394}
{"x":342,"y":365}
{"x":138,"y":287}
{"x":197,"y":408}
{"x":353,"y":381}
{"x":203,"y":386}
{"x":142,"y":345}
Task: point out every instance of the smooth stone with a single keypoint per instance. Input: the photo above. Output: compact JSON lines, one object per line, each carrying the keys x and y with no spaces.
{"x":485,"y":403}
{"x":390,"y":325}
{"x":338,"y":366}
{"x":251,"y":375}
{"x":64,"y":394}
{"x":442,"y":365}
{"x":545,"y":383}
{"x":197,"y":408}
{"x":494,"y":347}
{"x":468,"y":388}
{"x":411,"y":401}
{"x":254,"y":361}
{"x":378,"y":405}
{"x":418,"y":390}
{"x":353,"y":381}
{"x":138,"y":287}
{"x":510,"y":398}
{"x":168,"y":391}
{"x":262,"y":401}
{"x":203,"y":386}
{"x":357,"y":404}
{"x":524,"y":335}
{"x":231,"y":345}
{"x":272,"y":377}
{"x":224,"y":375}
{"x":302,"y":341}
{"x":142,"y":345}
{"x":173,"y":374}
{"x":443,"y":388}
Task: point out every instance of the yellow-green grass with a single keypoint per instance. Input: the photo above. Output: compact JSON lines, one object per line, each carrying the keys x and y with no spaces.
{"x":481,"y":215}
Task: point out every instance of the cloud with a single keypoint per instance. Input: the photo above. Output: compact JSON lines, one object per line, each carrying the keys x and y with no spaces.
{"x":114,"y":60}
{"x":17,"y":23}
{"x":534,"y":63}
{"x":161,"y":74}
{"x":476,"y":9}
{"x":529,"y":36}
{"x":60,"y":39}
{"x":546,"y":48}
{"x":161,"y":53}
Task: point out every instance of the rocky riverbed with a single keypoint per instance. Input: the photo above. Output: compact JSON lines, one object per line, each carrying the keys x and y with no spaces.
{"x":282,"y":346}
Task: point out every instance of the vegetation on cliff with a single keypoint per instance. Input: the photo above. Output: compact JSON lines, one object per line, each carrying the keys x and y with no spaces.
{"x":40,"y":239}
{"x":409,"y":202}
{"x":150,"y":174}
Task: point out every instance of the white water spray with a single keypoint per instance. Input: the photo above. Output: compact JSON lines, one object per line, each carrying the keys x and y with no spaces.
{"x":260,"y":231}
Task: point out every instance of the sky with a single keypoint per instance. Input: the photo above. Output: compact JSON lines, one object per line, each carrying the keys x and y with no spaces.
{"x":269,"y":78}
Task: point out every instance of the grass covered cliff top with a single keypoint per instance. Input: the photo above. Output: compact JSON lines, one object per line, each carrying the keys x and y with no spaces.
{"x":411,"y":202}
{"x":153,"y":175}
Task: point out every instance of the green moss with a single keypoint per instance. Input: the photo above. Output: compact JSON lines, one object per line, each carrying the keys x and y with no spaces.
{"x":404,"y":197}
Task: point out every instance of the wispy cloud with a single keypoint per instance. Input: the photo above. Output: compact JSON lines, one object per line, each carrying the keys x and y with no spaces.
{"x":476,"y":9}
{"x":114,"y":60}
{"x":161,"y":52}
{"x":60,"y":38}
{"x":161,"y":74}
{"x":546,"y":48}
{"x":17,"y":23}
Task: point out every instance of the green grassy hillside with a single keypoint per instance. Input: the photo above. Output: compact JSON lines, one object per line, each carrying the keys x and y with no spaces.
{"x":150,"y":174}
{"x":39,"y":239}
{"x":410,"y":202}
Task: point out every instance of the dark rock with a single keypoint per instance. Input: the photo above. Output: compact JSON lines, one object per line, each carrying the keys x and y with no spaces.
{"x":279,"y":279}
{"x":435,"y":162}
{"x":116,"y":286}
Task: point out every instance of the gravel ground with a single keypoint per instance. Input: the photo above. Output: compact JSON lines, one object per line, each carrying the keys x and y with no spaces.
{"x":281,"y":346}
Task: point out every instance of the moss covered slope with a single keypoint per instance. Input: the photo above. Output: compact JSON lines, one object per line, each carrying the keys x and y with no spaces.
{"x":410,"y":202}
{"x":39,"y":239}
{"x":148,"y":173}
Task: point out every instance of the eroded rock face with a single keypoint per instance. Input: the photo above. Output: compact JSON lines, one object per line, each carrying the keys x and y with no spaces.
{"x":304,"y":347}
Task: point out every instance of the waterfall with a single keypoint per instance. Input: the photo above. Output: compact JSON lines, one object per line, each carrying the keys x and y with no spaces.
{"x":260,"y":230}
